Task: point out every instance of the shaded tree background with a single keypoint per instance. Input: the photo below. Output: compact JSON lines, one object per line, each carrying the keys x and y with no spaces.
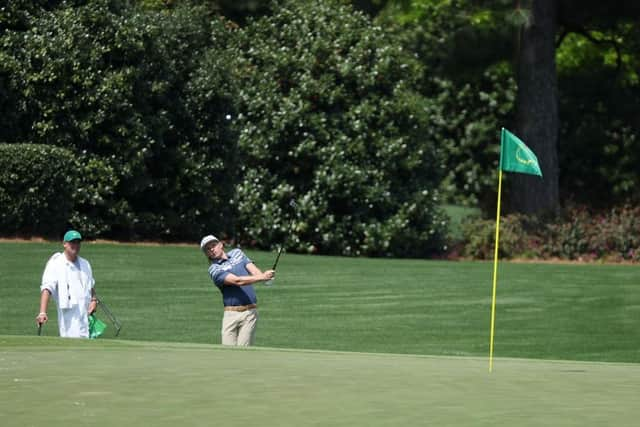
{"x":212,"y":115}
{"x":596,"y":47}
{"x":110,"y":80}
{"x":330,"y":118}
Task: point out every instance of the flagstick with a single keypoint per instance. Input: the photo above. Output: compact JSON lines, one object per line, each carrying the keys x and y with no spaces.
{"x":495,"y":272}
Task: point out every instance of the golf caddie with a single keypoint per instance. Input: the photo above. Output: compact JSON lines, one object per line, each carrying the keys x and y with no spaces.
{"x":69,"y":280}
{"x":234,"y":274}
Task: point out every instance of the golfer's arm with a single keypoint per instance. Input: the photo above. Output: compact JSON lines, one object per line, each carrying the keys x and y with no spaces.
{"x":253,"y":269}
{"x":256,"y":275}
{"x":233,"y":280}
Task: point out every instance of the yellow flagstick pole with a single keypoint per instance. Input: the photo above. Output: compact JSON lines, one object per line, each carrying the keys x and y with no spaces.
{"x":495,"y":272}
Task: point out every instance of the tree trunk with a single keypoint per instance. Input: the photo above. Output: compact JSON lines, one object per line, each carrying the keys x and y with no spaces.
{"x":537,"y":111}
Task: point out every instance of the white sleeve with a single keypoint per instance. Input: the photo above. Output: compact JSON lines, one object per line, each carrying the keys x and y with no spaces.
{"x":50,"y":275}
{"x":92,"y":282}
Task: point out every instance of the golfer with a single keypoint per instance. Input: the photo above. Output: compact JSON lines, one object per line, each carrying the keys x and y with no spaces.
{"x":234,"y":274}
{"x":69,"y":279}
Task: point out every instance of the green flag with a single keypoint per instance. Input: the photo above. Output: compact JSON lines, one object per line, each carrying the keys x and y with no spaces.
{"x":515,"y":156}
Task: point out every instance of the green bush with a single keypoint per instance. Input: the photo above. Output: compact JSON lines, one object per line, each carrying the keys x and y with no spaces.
{"x":480,"y":235}
{"x":44,"y":189}
{"x":110,"y":80}
{"x":471,"y":93}
{"x":585,"y":234}
{"x":37,"y":185}
{"x":95,"y":203}
{"x":210,"y":96}
{"x":577,"y":234}
{"x":329,"y":116}
{"x":472,"y":115}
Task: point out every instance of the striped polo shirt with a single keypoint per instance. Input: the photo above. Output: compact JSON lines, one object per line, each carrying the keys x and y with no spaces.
{"x":236,"y":263}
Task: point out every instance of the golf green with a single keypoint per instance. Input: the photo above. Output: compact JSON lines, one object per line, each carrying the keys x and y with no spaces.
{"x":57,"y":382}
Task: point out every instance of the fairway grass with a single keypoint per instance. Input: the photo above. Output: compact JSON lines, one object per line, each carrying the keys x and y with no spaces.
{"x":163,"y":293}
{"x":52,"y":382}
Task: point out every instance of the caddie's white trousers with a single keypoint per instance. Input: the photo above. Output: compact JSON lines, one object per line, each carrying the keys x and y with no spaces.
{"x":239,"y":327}
{"x":73,"y":322}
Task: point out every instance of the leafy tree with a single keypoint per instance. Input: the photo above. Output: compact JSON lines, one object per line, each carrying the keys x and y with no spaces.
{"x":36,"y":189}
{"x":237,"y":11}
{"x":600,"y":130}
{"x":19,"y":15}
{"x":111,"y":80}
{"x":328,"y":116}
{"x":538,"y":108}
{"x":463,"y":41}
{"x":473,"y":95}
{"x":370,"y":7}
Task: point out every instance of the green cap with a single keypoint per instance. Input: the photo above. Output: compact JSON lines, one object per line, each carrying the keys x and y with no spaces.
{"x":71,"y":235}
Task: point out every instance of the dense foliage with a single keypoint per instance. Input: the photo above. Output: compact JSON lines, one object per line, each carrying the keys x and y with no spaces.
{"x":111,"y":81}
{"x":473,"y":91}
{"x":181,"y":122}
{"x":578,"y":234}
{"x":36,"y":188}
{"x":600,"y":150}
{"x":470,"y":46}
{"x":329,"y":117}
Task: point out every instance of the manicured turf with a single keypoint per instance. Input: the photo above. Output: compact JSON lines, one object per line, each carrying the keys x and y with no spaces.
{"x":167,"y":369}
{"x":57,"y":382}
{"x":163,"y":293}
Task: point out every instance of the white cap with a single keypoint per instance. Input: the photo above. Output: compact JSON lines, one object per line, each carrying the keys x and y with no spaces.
{"x":206,"y":240}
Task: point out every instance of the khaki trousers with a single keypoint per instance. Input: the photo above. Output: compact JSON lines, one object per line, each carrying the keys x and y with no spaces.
{"x":239,"y":327}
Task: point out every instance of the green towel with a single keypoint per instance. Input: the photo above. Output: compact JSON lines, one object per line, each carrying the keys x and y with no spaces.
{"x":96,"y":326}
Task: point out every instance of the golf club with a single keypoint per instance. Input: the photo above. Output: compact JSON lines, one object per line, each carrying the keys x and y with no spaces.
{"x":275,"y":264}
{"x":293,"y":204}
{"x":114,"y":320}
{"x":39,"y":329}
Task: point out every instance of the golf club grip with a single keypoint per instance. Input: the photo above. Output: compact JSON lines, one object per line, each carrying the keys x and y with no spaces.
{"x":39,"y":329}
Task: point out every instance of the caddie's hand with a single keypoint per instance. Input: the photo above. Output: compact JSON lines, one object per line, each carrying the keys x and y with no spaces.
{"x":93,"y":305}
{"x":41,"y":318}
{"x":269,"y":274}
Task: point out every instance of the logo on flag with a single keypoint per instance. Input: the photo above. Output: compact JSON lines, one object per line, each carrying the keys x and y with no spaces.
{"x":515,"y":156}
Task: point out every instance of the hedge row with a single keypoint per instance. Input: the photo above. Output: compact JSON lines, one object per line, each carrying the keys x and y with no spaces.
{"x":44,"y":189}
{"x":577,"y":234}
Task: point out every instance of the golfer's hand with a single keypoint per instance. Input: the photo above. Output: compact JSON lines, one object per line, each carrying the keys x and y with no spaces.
{"x":41,"y":318}
{"x":269,"y":274}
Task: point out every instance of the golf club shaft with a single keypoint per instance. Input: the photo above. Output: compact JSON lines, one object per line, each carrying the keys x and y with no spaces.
{"x":110,"y":315}
{"x":293,"y":204}
{"x":39,"y":329}
{"x":275,"y":264}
